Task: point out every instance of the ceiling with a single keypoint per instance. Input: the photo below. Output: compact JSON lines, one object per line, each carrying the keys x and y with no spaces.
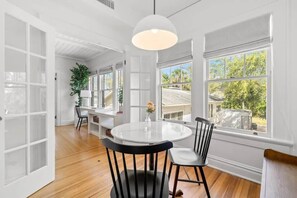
{"x":163,"y":7}
{"x":77,"y":49}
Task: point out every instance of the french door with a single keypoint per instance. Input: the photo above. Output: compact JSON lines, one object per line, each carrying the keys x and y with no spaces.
{"x":27,"y":158}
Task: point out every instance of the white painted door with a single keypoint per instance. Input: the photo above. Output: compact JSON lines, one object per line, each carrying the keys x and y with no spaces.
{"x":27,"y":158}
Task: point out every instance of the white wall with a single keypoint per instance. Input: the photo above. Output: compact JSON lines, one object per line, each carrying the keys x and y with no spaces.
{"x":65,"y":103}
{"x":239,"y":154}
{"x":107,"y":59}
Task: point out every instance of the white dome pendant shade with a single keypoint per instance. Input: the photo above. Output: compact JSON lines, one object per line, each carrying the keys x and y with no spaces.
{"x":154,"y":32}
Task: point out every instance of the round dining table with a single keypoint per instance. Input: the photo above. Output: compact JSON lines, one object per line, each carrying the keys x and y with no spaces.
{"x":150,"y":133}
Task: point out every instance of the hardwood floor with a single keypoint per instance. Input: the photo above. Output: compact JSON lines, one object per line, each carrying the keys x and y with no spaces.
{"x":82,"y":171}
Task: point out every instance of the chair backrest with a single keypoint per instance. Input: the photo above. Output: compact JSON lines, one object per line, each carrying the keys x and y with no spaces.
{"x":203,"y":135}
{"x":77,"y":108}
{"x":118,"y":158}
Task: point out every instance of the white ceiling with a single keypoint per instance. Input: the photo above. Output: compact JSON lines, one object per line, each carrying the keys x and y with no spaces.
{"x":77,"y":49}
{"x":163,"y":7}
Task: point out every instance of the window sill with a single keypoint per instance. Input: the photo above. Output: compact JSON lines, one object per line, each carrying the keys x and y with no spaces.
{"x":241,"y":136}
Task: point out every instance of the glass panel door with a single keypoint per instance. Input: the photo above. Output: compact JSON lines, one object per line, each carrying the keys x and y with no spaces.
{"x":140,"y":86}
{"x":27,"y":141}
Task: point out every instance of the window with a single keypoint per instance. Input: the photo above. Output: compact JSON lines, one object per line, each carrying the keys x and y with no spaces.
{"x":176,"y":92}
{"x":93,"y":85}
{"x":119,"y":86}
{"x":106,"y":93}
{"x":238,"y":89}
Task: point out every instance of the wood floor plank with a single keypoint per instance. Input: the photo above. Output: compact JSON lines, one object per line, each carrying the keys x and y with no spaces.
{"x":82,"y":171}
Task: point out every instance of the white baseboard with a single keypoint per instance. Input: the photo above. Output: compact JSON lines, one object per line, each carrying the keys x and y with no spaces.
{"x":235,"y":168}
{"x":66,"y":122}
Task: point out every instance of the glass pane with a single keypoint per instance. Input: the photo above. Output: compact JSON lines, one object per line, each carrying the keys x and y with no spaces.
{"x":15,"y":99}
{"x":144,"y":97}
{"x":176,"y":102}
{"x":134,"y":81}
{"x":145,"y":82}
{"x":134,"y":99}
{"x":15,"y":32}
{"x":38,"y":127}
{"x":234,"y":66}
{"x":15,"y":132}
{"x":134,"y":114}
{"x":15,"y":66}
{"x":186,"y":72}
{"x":165,"y":75}
{"x":143,"y":114}
{"x":256,"y":63}
{"x":15,"y":165}
{"x":95,"y":83}
{"x":38,"y":70}
{"x":107,"y":95}
{"x":175,"y":76}
{"x":37,"y":99}
{"x":238,"y":104}
{"x":37,"y":41}
{"x":38,"y":156}
{"x":216,"y":68}
{"x":108,"y":81}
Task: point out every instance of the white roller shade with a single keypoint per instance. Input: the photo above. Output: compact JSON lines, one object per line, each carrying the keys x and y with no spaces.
{"x":105,"y":70}
{"x":239,"y":37}
{"x":179,"y":53}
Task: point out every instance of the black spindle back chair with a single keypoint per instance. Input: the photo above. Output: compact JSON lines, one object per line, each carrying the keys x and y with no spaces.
{"x":137,"y":182}
{"x":202,"y":139}
{"x":196,"y":157}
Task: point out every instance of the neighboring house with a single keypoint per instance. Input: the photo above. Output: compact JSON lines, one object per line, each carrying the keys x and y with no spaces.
{"x":214,"y":105}
{"x":176,"y":104}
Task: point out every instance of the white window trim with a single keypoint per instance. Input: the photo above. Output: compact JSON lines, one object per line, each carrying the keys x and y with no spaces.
{"x":159,"y":98}
{"x":268,"y":76}
{"x":91,"y":88}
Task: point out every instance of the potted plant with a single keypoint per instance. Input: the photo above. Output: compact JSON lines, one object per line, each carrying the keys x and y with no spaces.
{"x":79,"y":80}
{"x":120,"y":98}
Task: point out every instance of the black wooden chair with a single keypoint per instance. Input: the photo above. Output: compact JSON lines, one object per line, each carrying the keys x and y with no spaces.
{"x":196,"y":157}
{"x":136,"y":181}
{"x":80,"y":117}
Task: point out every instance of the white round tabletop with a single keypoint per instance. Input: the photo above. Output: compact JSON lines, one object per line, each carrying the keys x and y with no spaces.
{"x":153,"y":132}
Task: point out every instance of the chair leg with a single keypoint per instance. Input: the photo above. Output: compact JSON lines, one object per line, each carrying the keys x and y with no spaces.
{"x":77,"y":123}
{"x":170,"y":169}
{"x":175,"y":181}
{"x":204,"y":181}
{"x":81,"y":120}
{"x":197,"y":176}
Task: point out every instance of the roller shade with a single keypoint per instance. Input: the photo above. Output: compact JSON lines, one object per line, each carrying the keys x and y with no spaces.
{"x":105,"y":70}
{"x":239,"y":37}
{"x":179,"y":53}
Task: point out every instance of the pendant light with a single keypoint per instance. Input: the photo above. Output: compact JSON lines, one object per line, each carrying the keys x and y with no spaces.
{"x":154,"y":32}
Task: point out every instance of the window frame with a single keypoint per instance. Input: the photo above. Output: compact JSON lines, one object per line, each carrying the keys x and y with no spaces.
{"x":100,"y":91}
{"x":268,"y":77}
{"x":180,"y":83}
{"x":118,"y":72}
{"x":90,"y":84}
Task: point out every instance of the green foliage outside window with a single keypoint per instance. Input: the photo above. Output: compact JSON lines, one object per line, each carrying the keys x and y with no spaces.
{"x":245,"y":92}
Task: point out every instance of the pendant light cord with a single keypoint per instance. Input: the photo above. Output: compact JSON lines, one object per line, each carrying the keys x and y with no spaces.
{"x":154,"y":7}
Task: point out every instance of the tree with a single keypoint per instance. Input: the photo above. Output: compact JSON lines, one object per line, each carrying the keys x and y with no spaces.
{"x":79,"y":80}
{"x":245,"y":94}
